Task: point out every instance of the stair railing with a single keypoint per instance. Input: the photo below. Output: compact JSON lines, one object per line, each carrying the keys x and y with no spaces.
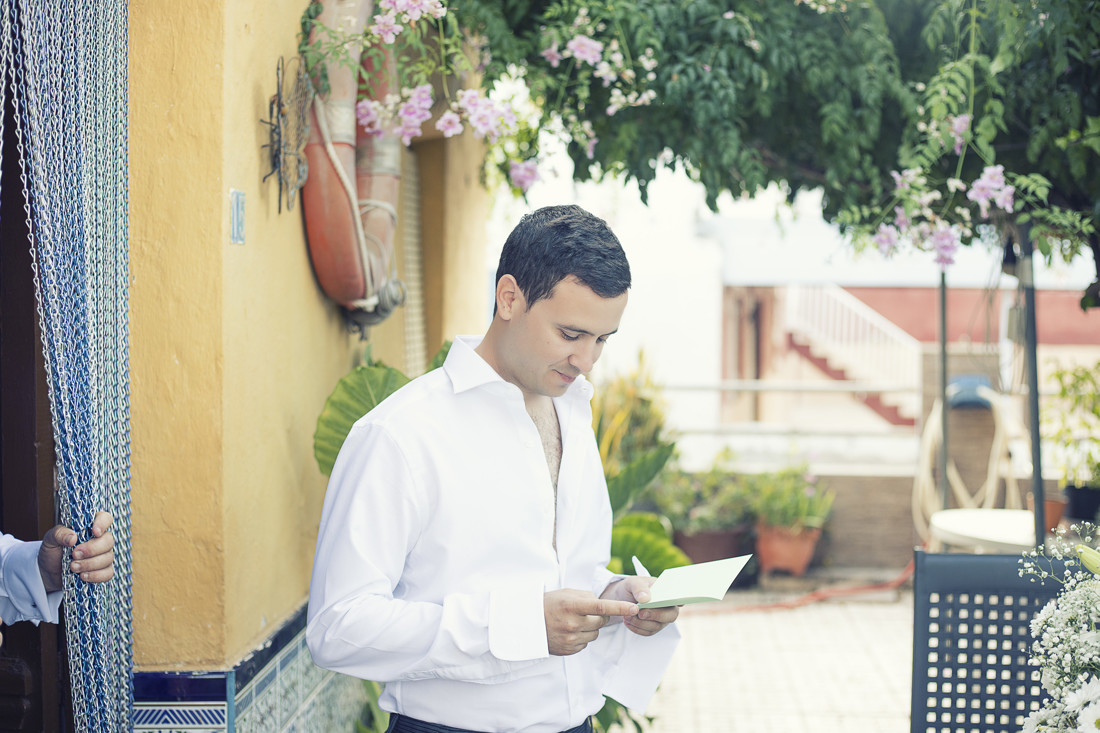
{"x":852,"y":335}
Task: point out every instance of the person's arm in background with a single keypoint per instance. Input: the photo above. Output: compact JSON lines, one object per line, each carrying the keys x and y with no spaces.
{"x":31,"y":572}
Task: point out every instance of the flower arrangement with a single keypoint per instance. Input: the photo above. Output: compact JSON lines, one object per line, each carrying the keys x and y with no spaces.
{"x":791,"y":497}
{"x":1067,"y":637}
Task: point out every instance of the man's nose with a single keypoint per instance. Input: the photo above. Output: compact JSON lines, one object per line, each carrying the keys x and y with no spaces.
{"x":585,"y":356}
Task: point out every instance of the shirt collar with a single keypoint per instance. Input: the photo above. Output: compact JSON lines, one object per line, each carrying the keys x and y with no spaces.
{"x":468,"y":370}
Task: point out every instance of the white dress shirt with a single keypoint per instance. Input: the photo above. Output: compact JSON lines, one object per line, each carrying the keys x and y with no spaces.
{"x":22,"y":595}
{"x":436,"y":546}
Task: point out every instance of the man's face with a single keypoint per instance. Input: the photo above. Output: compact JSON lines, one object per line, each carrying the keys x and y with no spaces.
{"x":560,"y":337}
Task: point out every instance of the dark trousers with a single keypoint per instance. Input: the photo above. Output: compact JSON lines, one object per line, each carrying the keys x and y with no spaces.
{"x":405,"y":724}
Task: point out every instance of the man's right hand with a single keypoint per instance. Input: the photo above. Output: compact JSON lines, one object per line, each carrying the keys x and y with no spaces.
{"x":574,"y":618}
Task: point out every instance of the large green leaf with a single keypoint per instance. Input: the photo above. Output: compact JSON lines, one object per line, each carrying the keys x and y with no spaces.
{"x":625,"y":486}
{"x":644,"y":536}
{"x":354,"y":396}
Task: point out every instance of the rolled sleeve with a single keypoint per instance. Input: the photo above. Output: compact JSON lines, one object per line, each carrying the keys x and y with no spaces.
{"x":23,"y":597}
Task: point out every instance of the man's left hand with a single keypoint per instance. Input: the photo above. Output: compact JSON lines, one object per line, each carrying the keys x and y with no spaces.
{"x":635,"y":588}
{"x":92,"y":560}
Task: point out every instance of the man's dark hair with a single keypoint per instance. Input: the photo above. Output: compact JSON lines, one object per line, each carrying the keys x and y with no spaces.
{"x":554,"y":242}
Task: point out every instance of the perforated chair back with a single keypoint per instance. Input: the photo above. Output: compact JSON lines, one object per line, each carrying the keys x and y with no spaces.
{"x":971,"y":643}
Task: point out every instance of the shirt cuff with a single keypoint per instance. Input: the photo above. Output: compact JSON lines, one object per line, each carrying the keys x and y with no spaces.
{"x":517,"y":624}
{"x":643,"y":661}
{"x":22,"y":583}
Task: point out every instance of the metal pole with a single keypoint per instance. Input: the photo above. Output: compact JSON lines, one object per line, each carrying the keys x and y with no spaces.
{"x":941,"y":481}
{"x":1027,"y":281}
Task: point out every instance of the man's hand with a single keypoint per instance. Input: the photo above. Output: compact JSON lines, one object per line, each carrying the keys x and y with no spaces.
{"x":92,"y":560}
{"x":635,"y":588}
{"x":574,"y":618}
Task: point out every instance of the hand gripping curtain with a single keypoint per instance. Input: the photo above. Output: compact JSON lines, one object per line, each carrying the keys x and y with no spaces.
{"x":65,"y":65}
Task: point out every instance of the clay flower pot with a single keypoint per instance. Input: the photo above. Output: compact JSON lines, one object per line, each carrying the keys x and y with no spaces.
{"x":786,"y":548}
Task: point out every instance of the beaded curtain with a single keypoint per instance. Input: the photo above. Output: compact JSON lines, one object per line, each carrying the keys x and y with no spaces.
{"x":65,"y":66}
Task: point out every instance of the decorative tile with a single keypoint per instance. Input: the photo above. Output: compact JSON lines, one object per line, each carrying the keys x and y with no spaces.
{"x":278,"y":689}
{"x":173,"y":717}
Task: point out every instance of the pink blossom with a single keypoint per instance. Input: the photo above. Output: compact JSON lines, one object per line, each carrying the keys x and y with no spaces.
{"x":960,"y":124}
{"x":386,"y":27}
{"x":435,"y":8}
{"x":901,"y":219}
{"x":413,"y":9}
{"x":369,"y":114}
{"x":1004,"y":198}
{"x":995,"y":174}
{"x":887,"y":239}
{"x":905,"y":179}
{"x":421,"y":96}
{"x":523,"y":174}
{"x":945,"y":240}
{"x":584,"y":48}
{"x":552,"y":55}
{"x":991,"y":186}
{"x":590,"y":147}
{"x":449,"y":124}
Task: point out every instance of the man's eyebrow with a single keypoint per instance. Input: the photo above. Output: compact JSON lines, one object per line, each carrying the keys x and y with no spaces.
{"x":584,"y":331}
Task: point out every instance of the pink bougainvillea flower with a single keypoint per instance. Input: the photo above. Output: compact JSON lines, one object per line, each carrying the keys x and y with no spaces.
{"x":386,"y":27}
{"x":552,"y":55}
{"x":584,"y":48}
{"x":449,"y":124}
{"x":523,"y":174}
{"x":887,"y":239}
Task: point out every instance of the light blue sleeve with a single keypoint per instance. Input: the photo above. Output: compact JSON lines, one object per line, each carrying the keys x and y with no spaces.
{"x":22,"y":595}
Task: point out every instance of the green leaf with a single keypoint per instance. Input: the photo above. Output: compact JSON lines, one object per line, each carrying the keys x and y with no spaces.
{"x":625,"y":486}
{"x":354,"y":396}
{"x":647,"y":538}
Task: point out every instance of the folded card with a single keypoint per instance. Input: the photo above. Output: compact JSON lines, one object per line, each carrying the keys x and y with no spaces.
{"x":705,"y":581}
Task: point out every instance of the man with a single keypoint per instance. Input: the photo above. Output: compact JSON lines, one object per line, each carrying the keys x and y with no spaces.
{"x":31,"y":572}
{"x":462,"y":552}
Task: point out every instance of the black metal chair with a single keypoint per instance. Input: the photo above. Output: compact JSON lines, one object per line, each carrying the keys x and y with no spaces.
{"x":971,"y":643}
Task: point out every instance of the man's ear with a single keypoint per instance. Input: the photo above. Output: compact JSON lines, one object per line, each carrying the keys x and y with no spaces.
{"x":509,"y":297}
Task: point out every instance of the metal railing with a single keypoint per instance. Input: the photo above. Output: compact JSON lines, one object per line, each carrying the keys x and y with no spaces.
{"x":852,"y":334}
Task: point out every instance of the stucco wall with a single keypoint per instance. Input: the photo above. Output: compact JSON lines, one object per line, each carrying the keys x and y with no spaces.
{"x":233,"y":346}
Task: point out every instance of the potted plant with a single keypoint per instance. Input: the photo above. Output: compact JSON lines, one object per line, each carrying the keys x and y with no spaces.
{"x":791,"y":510}
{"x":1073,"y":429}
{"x":711,"y":512}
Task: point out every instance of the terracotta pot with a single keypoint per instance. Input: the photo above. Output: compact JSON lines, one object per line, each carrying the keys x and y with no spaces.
{"x":1053,"y":508}
{"x":719,"y":544}
{"x":783,"y":548}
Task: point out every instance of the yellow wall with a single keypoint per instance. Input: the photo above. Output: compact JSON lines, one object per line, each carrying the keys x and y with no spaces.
{"x":233,"y":346}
